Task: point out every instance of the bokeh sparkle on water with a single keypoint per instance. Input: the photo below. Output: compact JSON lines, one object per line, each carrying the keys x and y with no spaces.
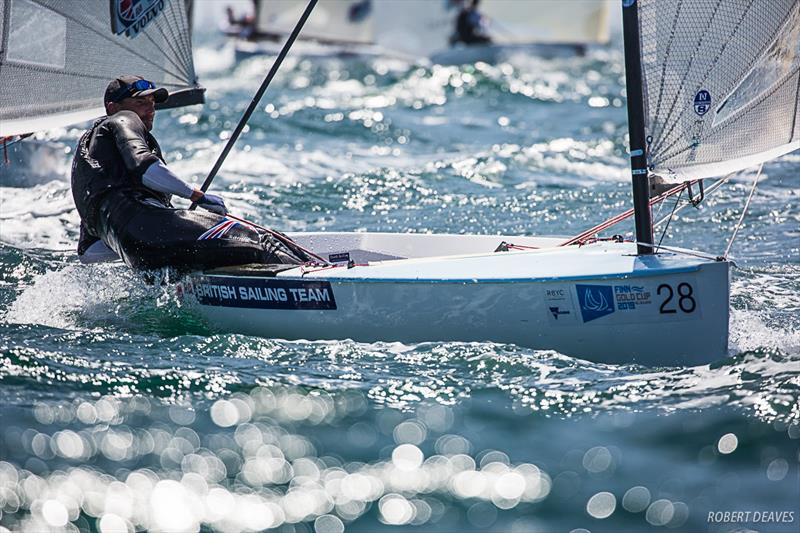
{"x":123,"y":410}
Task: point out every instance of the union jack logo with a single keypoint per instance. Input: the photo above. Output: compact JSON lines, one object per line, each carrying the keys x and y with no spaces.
{"x":219,"y":230}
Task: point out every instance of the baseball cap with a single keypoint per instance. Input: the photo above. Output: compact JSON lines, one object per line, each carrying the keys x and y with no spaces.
{"x":130,"y":86}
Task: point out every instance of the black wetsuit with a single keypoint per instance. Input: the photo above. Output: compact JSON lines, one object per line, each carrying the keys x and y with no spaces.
{"x":468,"y":30}
{"x":140,"y":224}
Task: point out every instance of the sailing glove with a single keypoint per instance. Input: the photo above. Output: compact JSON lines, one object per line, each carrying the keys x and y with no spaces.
{"x":213,"y":203}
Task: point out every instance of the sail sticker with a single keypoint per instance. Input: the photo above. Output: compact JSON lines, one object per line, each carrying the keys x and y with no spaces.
{"x":702,"y":102}
{"x":595,"y":301}
{"x":558,"y":305}
{"x":261,"y":293}
{"x":628,"y":297}
{"x":641,"y":302}
{"x":131,"y":16}
{"x":341,"y":257}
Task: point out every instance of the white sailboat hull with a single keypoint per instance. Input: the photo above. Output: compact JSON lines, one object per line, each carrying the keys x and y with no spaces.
{"x":599,"y":302}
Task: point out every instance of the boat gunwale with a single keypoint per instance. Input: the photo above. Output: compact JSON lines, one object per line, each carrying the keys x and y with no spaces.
{"x":644,"y":273}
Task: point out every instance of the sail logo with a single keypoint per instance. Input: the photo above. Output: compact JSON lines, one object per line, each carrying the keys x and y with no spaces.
{"x":131,"y":16}
{"x":702,"y":102}
{"x":595,"y":301}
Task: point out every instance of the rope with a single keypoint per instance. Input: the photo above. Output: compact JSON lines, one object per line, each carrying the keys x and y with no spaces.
{"x":9,"y":141}
{"x":744,"y":211}
{"x":578,"y":239}
{"x":669,"y":219}
{"x":286,"y":241}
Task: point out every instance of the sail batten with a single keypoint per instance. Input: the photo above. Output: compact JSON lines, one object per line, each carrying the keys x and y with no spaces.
{"x":721,"y":81}
{"x":57,"y":57}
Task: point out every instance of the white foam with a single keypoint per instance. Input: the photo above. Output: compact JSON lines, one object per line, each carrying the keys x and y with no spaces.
{"x":43,"y":216}
{"x":750,"y":331}
{"x":211,"y":60}
{"x":59,"y":298}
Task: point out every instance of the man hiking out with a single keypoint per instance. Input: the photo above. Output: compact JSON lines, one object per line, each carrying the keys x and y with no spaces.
{"x":122,"y":189}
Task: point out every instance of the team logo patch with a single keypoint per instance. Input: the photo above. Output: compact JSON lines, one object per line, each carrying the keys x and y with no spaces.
{"x":219,"y":230}
{"x":595,"y":301}
{"x":131,"y":16}
{"x":702,"y":102}
{"x":259,"y":293}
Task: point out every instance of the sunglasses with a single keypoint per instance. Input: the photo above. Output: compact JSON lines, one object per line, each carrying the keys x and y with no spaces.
{"x":128,"y":90}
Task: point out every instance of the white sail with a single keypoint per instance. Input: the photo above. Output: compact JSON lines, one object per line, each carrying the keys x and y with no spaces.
{"x":547,"y":21}
{"x":424,"y":27}
{"x":332,"y":21}
{"x":721,"y":82}
{"x":416,"y":27}
{"x":56,"y":56}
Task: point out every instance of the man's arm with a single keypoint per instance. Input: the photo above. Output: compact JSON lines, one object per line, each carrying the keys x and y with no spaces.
{"x":159,"y":178}
{"x":130,"y":136}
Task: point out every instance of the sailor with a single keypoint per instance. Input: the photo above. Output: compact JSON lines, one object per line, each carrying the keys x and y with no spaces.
{"x":243,"y":26}
{"x":470,"y":27}
{"x":122,"y":189}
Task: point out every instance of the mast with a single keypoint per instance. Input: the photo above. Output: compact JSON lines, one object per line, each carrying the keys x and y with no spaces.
{"x":633,"y":81}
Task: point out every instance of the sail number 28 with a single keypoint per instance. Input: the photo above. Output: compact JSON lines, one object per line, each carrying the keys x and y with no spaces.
{"x":683,"y":293}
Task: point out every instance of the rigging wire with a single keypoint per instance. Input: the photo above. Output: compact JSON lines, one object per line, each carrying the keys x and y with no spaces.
{"x":744,"y":212}
{"x":683,"y":252}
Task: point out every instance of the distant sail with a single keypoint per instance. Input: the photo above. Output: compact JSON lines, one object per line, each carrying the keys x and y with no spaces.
{"x":332,"y":21}
{"x":547,"y":21}
{"x":56,"y":57}
{"x":721,"y":80}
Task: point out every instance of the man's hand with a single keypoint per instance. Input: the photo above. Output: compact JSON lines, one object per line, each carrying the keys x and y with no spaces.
{"x":213,"y":203}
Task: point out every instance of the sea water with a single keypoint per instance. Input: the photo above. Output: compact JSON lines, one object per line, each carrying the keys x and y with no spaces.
{"x":123,"y":410}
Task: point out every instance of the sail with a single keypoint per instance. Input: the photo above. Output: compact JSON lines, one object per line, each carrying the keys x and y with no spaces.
{"x":56,"y":57}
{"x":415,"y":27}
{"x":721,"y":81}
{"x":424,"y":27}
{"x":332,"y":21}
{"x":547,"y":21}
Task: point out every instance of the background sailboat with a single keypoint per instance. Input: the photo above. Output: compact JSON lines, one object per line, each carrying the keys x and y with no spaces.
{"x":419,"y":29}
{"x":545,"y":28}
